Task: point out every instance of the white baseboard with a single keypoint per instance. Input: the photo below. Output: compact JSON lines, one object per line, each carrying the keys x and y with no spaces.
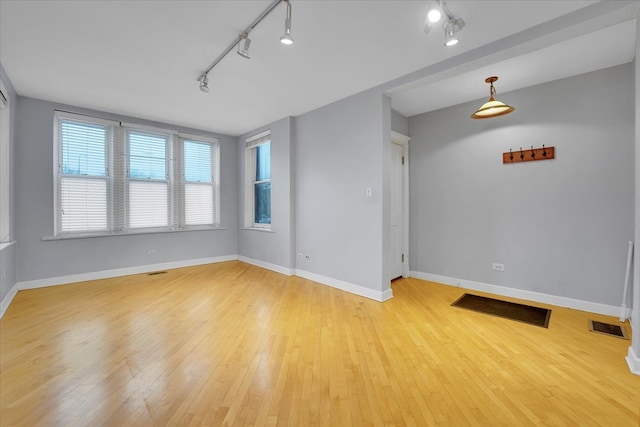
{"x":4,"y":304}
{"x":117,"y":272}
{"x":346,"y":286}
{"x":592,"y":307}
{"x":633,"y":360}
{"x":273,"y":267}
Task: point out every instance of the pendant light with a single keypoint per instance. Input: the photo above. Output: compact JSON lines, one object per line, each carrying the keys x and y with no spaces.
{"x":492,"y":108}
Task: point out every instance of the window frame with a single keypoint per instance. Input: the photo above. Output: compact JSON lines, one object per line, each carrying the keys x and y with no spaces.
{"x":214,"y":146}
{"x":118,"y":178}
{"x":251,"y":158}
{"x":168,"y":143}
{"x":58,"y":175}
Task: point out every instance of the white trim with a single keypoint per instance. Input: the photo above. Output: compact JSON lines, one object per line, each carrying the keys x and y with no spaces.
{"x":198,"y":138}
{"x":267,"y":265}
{"x":633,"y":360}
{"x":6,"y":301}
{"x":404,"y":140}
{"x":4,"y":245}
{"x":137,"y":231}
{"x":106,"y":274}
{"x":261,"y":229}
{"x":146,"y":128}
{"x":399,"y":138}
{"x":379,"y":296}
{"x":592,"y":307}
{"x":83,"y":118}
{"x":260,"y":138}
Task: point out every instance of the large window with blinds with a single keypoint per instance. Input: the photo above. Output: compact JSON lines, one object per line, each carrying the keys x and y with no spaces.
{"x":148,"y":186}
{"x":5,"y":166}
{"x":258,"y":181}
{"x":114,"y":178}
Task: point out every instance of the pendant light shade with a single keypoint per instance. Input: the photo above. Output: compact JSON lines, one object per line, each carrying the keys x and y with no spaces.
{"x":492,"y":108}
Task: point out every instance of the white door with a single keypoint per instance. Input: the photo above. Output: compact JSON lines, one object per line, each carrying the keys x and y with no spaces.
{"x":397,"y":211}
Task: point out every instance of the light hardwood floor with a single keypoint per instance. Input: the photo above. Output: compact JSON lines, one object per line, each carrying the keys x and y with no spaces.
{"x":234,"y":344}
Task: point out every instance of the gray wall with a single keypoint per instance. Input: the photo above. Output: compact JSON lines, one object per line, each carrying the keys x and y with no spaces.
{"x":38,"y":259}
{"x":561,"y":227}
{"x":399,"y":123}
{"x":278,"y":245}
{"x":634,"y":351}
{"x":7,"y":255}
{"x":339,"y":154}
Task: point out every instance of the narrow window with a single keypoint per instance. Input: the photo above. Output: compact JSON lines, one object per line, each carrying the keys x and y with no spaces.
{"x":199,"y":188}
{"x":148,"y":190}
{"x":262,"y":185}
{"x":258,"y":181}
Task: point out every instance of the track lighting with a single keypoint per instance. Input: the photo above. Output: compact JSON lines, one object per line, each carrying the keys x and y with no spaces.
{"x":435,"y":13}
{"x":450,"y":29}
{"x":204,"y":83}
{"x":286,"y":37}
{"x":243,"y":42}
{"x":243,"y":45}
{"x":492,"y":108}
{"x":451,"y":26}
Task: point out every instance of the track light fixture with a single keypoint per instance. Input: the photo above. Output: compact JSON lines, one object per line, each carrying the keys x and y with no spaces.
{"x":451,"y":29}
{"x":204,"y":83}
{"x":492,"y":108}
{"x":286,"y":37}
{"x":243,"y":42}
{"x":434,"y":15}
{"x":451,"y":26}
{"x":243,"y":45}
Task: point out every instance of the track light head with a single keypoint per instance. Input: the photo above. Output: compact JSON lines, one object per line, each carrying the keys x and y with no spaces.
{"x":286,"y":37}
{"x":435,"y":13}
{"x":243,"y":46}
{"x":204,"y":83}
{"x":451,"y":29}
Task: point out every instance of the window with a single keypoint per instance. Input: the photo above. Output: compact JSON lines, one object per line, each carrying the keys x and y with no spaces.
{"x":258,"y":180}
{"x":5,"y":167}
{"x":115,"y":178}
{"x":148,"y":186}
{"x":83,"y":183}
{"x":199,"y":182}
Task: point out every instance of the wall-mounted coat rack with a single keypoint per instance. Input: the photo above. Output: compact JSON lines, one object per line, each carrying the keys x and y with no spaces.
{"x":529,"y":155}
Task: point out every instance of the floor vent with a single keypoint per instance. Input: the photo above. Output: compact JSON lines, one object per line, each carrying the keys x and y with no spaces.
{"x":153,"y":273}
{"x":608,"y":329}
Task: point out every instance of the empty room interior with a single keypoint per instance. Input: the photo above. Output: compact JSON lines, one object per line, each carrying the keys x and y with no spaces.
{"x":306,"y":212}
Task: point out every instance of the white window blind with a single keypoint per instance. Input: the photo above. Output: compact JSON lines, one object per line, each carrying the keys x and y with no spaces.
{"x":115,"y":179}
{"x":83,"y":191}
{"x":5,"y":167}
{"x":199,"y":182}
{"x":148,"y":187}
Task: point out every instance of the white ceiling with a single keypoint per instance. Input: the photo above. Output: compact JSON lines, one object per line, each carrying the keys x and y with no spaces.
{"x":142,"y":58}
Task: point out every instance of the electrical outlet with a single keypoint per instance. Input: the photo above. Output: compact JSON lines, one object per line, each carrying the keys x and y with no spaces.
{"x":497,"y":266}
{"x":152,"y":252}
{"x":307,"y":257}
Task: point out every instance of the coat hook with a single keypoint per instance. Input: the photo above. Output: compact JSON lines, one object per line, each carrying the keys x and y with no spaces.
{"x":544,"y":151}
{"x":510,"y":154}
{"x":521,"y":154}
{"x":533,"y":153}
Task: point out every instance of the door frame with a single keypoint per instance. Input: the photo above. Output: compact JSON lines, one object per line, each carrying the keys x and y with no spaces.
{"x":403,"y":140}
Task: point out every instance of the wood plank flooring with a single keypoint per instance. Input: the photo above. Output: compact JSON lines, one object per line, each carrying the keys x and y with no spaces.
{"x":234,"y":344}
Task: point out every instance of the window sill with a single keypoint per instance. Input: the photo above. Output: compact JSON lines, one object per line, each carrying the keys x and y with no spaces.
{"x":132,"y":233}
{"x":4,"y":245}
{"x":263,"y":230}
